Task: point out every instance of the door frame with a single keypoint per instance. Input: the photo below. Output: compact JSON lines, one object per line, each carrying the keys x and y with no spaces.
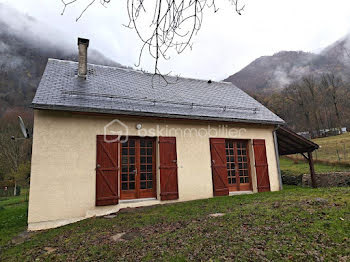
{"x":246,"y":186}
{"x":140,"y":193}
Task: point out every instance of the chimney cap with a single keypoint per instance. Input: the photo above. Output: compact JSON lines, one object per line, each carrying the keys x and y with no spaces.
{"x":83,"y":41}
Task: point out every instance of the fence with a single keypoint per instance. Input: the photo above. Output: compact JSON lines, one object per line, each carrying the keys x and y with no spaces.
{"x":9,"y":188}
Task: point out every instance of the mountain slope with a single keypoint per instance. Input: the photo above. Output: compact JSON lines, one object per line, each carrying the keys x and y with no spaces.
{"x":275,"y":72}
{"x":23,"y":56}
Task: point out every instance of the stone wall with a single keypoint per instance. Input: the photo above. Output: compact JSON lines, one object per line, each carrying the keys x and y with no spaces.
{"x":291,"y":179}
{"x":334,"y":179}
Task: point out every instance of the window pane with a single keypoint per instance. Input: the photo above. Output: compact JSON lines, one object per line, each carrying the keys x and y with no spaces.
{"x":143,"y":176}
{"x":246,"y":179}
{"x":132,"y":186}
{"x":124,"y":151}
{"x":229,"y":180}
{"x":241,"y":180}
{"x":234,"y":180}
{"x":143,"y":185}
{"x":124,"y":177}
{"x":132,"y":160}
{"x":125,"y":168}
{"x":149,"y":184}
{"x":131,"y":151}
{"x":149,"y":151}
{"x":132,"y":143}
{"x":149,"y":168}
{"x":142,"y":142}
{"x":124,"y":186}
{"x":143,"y":167}
{"x":143,"y":160}
{"x":149,"y":176}
{"x":131,"y":168}
{"x":142,"y":151}
{"x":149,"y":143}
{"x":132,"y":177}
{"x":149,"y":160}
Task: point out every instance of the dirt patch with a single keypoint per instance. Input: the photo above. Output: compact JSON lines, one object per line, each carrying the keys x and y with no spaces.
{"x":22,"y":237}
{"x":110,"y":216}
{"x":217,"y":215}
{"x":118,"y":237}
{"x":49,"y":250}
{"x":131,"y":235}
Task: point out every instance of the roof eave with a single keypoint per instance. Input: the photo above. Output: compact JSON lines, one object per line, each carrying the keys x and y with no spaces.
{"x":140,"y":113}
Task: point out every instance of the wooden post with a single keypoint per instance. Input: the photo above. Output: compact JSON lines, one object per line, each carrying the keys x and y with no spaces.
{"x":312,"y":169}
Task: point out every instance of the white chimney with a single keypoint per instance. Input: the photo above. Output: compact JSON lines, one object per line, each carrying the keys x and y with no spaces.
{"x":83,"y":45}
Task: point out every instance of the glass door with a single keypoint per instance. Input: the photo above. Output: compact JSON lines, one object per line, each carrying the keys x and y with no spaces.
{"x":237,"y":162}
{"x":137,"y":175}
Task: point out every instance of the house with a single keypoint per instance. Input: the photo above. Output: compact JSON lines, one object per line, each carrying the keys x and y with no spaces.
{"x":107,"y":138}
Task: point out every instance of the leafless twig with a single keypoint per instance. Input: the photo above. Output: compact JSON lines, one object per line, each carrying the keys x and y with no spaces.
{"x":172,"y":23}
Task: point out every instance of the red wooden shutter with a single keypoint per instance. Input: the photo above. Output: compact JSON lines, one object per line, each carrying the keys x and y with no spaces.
{"x":107,"y":171}
{"x":218,"y":166}
{"x":168,"y":168}
{"x":261,"y":167}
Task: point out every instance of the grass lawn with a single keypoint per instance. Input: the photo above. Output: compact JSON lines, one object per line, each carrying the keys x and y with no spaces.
{"x":13,"y":216}
{"x":302,"y":167}
{"x":334,"y":148}
{"x":297,"y":224}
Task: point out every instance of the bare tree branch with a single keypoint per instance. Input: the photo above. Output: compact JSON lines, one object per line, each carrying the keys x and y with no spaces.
{"x":173,"y":23}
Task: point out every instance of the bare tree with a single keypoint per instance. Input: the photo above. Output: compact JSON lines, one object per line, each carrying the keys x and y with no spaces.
{"x":333,"y":86}
{"x":297,"y":94}
{"x":13,"y":153}
{"x":173,"y":23}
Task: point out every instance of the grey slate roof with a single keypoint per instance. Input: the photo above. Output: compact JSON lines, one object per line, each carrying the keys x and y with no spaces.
{"x":126,"y":91}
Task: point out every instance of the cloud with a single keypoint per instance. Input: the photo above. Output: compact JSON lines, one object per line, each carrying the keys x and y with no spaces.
{"x":226,"y":43}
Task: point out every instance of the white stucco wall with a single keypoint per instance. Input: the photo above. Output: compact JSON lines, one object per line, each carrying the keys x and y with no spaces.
{"x":62,"y":188}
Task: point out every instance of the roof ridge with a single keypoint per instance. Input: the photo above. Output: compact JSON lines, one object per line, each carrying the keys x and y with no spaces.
{"x":144,"y":72}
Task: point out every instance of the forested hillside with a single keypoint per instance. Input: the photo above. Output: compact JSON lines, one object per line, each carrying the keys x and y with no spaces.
{"x":23,"y":56}
{"x":273,"y":73}
{"x":309,"y":91}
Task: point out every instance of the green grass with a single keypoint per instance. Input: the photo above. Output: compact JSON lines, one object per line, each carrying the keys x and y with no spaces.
{"x":334,"y":148}
{"x":13,"y":216}
{"x":296,"y":167}
{"x":296,"y":224}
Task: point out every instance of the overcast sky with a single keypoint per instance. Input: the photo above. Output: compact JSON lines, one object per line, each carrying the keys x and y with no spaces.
{"x":226,"y":43}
